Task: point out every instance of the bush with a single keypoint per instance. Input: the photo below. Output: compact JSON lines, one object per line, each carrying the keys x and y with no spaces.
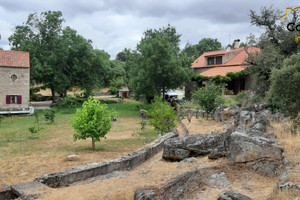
{"x":32,"y":130}
{"x":162,"y":116}
{"x":70,"y":102}
{"x":284,"y":92}
{"x":49,"y":115}
{"x":113,"y":90}
{"x":209,"y":97}
{"x":93,"y":120}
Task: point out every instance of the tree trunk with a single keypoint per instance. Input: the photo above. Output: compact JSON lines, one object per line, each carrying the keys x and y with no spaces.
{"x":207,"y":115}
{"x":93,"y":144}
{"x":164,"y":91}
{"x":53,"y":95}
{"x":65,"y":93}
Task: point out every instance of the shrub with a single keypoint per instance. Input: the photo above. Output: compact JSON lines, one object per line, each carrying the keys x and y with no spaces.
{"x":93,"y":120}
{"x":284,"y":90}
{"x":162,"y":116}
{"x":70,"y":102}
{"x":113,"y":90}
{"x":209,"y":97}
{"x":32,"y":130}
{"x":49,"y":115}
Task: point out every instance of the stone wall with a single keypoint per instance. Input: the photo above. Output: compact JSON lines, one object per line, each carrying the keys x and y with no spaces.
{"x":64,"y":178}
{"x":18,"y":87}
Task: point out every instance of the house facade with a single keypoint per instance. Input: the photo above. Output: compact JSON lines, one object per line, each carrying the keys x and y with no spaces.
{"x":14,"y":81}
{"x":221,"y":62}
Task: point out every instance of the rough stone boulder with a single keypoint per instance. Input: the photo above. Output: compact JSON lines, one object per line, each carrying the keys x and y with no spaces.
{"x":231,"y":195}
{"x":244,"y":117}
{"x":261,"y":123}
{"x":218,"y":114}
{"x":289,"y":179}
{"x":257,"y":152}
{"x":146,"y":193}
{"x":183,"y":147}
{"x":233,"y":110}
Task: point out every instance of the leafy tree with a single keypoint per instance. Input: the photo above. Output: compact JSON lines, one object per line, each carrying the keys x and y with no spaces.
{"x":60,"y":58}
{"x":285,"y":86}
{"x":209,"y":97}
{"x":162,"y":116}
{"x":262,"y":65}
{"x":276,"y":32}
{"x":158,"y":66}
{"x":40,"y":35}
{"x":208,"y":44}
{"x":277,"y":43}
{"x":204,"y":45}
{"x":93,"y":120}
{"x":113,"y":91}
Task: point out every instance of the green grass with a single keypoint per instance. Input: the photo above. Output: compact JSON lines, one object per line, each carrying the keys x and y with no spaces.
{"x":15,"y":138}
{"x":190,"y":105}
{"x":128,"y":109}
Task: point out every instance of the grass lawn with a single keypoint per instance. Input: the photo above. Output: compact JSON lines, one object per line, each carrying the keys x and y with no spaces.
{"x":24,"y":157}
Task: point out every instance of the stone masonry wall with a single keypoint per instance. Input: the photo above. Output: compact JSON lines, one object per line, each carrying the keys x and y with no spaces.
{"x":18,"y":87}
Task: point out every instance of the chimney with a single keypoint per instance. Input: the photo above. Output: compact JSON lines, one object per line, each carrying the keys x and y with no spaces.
{"x":236,"y":43}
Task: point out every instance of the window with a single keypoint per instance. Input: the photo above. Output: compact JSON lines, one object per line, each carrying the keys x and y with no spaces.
{"x":219,"y":60}
{"x":214,"y":60}
{"x":13,"y":99}
{"x":14,"y":77}
{"x":211,"y":61}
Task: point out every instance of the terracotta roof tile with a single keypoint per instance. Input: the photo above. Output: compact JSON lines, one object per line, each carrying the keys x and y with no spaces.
{"x":14,"y":59}
{"x":236,"y":60}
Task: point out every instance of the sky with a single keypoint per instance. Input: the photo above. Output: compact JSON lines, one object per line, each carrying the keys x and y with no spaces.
{"x":113,"y":25}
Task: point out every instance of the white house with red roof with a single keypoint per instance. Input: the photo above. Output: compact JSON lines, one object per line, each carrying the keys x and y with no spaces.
{"x":14,"y":82}
{"x":221,"y":62}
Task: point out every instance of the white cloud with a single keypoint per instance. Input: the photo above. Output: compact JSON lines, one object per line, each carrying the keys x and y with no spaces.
{"x":114,"y":25}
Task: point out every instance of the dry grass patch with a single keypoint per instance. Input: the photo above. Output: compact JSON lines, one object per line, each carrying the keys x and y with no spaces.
{"x":287,"y":195}
{"x":200,"y":126}
{"x":288,"y":140}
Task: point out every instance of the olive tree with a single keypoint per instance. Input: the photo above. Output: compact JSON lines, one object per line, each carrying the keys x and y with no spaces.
{"x":93,"y":120}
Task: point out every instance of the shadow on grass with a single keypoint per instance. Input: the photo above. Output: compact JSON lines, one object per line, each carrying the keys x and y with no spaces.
{"x":112,"y":145}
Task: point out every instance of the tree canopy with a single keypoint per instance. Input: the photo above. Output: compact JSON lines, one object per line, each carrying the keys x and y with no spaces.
{"x":156,"y":66}
{"x":60,"y":58}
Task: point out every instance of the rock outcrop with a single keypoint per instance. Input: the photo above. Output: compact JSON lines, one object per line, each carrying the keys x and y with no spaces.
{"x":231,"y":195}
{"x":183,"y":147}
{"x":255,"y":151}
{"x":244,"y":144}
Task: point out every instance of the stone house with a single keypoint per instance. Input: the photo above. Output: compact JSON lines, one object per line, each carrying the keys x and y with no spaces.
{"x":125,"y":93}
{"x":220,"y":62}
{"x":14,"y":82}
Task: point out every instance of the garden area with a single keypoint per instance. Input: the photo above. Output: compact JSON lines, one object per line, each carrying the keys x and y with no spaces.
{"x":25,"y":155}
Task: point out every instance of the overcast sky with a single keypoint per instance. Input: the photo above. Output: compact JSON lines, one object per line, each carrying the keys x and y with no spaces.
{"x":113,"y":25}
